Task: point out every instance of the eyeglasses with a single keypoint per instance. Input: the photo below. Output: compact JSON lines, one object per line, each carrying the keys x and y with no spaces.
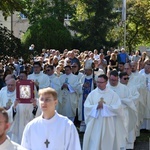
{"x":101,"y":82}
{"x":45,"y":100}
{"x":127,"y":78}
{"x":48,"y":70}
{"x":113,"y":79}
{"x":36,"y":66}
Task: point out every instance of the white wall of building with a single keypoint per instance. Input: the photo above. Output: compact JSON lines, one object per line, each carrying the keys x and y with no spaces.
{"x":19,"y":26}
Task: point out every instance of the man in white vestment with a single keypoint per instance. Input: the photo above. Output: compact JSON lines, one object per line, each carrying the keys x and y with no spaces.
{"x":103,"y":117}
{"x":41,"y":80}
{"x":130,"y":110}
{"x":8,"y":94}
{"x":76,"y":71}
{"x":139,"y":82}
{"x":7,"y":99}
{"x":68,"y":98}
{"x":146,"y":73}
{"x":20,"y":114}
{"x":88,"y":83}
{"x":124,"y":78}
{"x":51,"y":130}
{"x":5,"y":142}
{"x":139,"y":77}
{"x":9,"y":76}
{"x":54,"y":81}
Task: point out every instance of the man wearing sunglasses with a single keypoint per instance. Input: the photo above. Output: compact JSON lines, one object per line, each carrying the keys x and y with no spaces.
{"x":130,"y":117}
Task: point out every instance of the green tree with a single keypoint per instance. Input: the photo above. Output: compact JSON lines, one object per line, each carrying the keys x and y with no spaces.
{"x":47,"y":33}
{"x":138,"y":23}
{"x":9,"y":6}
{"x":94,"y":20}
{"x":9,"y":45}
{"x":39,"y":9}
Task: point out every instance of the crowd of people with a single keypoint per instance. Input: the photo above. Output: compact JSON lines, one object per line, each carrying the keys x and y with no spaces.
{"x":105,"y":95}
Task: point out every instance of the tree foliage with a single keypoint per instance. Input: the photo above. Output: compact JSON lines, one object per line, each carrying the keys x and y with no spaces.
{"x":94,"y":21}
{"x":138,"y":23}
{"x":9,"y":6}
{"x":9,"y":45}
{"x":39,"y":9}
{"x":47,"y":33}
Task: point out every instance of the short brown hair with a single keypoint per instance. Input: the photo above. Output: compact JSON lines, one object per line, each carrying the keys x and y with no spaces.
{"x":48,"y":91}
{"x":5,"y":114}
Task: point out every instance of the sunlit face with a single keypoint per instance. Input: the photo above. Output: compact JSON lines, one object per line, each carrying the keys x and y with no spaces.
{"x":113,"y":80}
{"x":49,"y":71}
{"x":101,"y":83}
{"x":147,"y":69}
{"x":127,"y":69}
{"x":22,"y":76}
{"x":88,"y":72}
{"x":133,"y":67}
{"x":36,"y":69}
{"x":67,"y":70}
{"x":3,"y":126}
{"x":95,"y":51}
{"x":75,"y":67}
{"x":11,"y":85}
{"x":121,"y":67}
{"x":124,"y":79}
{"x":47,"y":103}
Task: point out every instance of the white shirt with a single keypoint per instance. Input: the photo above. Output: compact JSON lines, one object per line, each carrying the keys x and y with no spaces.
{"x":10,"y":145}
{"x":41,"y":78}
{"x":59,"y":131}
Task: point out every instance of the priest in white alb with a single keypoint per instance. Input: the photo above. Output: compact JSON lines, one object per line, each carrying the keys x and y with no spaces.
{"x":138,"y":81}
{"x":40,"y":79}
{"x":130,"y":116}
{"x":124,"y":78}
{"x":103,"y":117}
{"x":68,"y":96}
{"x":146,"y":121}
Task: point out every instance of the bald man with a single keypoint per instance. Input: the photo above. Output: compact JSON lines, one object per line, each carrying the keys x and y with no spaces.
{"x":9,"y":76}
{"x":8,"y":94}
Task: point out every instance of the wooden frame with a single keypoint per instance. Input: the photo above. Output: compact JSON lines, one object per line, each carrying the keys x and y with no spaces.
{"x":25,"y":91}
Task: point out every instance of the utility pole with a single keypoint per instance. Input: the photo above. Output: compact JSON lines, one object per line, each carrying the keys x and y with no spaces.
{"x":124,"y":21}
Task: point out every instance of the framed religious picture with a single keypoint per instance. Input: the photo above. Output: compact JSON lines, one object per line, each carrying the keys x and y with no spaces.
{"x":25,"y":90}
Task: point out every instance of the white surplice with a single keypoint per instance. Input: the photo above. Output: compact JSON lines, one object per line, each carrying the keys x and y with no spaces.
{"x":22,"y":117}
{"x":10,"y":145}
{"x":41,"y":78}
{"x":103,"y":125}
{"x":59,"y":132}
{"x":130,"y":117}
{"x":139,"y":81}
{"x":55,"y":84}
{"x":146,"y":121}
{"x":135,"y":95}
{"x":68,"y":98}
{"x":5,"y":98}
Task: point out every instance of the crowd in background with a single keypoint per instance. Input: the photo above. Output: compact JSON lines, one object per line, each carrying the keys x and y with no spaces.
{"x":106,"y":61}
{"x":73,"y":74}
